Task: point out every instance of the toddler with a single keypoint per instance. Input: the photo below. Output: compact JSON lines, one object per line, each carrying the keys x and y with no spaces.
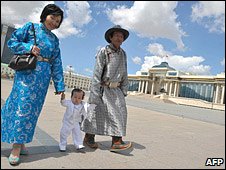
{"x":75,"y":109}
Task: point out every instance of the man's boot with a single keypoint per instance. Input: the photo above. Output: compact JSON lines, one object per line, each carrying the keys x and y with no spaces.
{"x":89,"y":140}
{"x":118,"y":144}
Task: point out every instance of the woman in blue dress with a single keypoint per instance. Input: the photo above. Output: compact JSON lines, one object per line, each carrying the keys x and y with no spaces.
{"x":20,"y":113}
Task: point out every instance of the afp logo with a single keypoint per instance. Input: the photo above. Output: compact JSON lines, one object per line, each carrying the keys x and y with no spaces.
{"x":214,"y":161}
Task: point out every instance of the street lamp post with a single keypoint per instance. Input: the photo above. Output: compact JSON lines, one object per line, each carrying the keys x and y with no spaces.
{"x":70,"y":73}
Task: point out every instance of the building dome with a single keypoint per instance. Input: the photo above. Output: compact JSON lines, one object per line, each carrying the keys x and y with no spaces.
{"x":163,"y":65}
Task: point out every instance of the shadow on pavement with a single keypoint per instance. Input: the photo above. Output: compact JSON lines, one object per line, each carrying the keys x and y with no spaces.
{"x":105,"y":145}
{"x":37,"y":153}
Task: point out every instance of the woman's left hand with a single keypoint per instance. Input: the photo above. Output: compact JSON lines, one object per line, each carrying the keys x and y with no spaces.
{"x":35,"y":51}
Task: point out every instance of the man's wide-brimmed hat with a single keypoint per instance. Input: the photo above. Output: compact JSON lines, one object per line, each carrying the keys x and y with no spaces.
{"x":113,"y":29}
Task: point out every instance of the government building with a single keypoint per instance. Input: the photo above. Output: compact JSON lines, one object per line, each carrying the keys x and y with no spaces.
{"x":173,"y":83}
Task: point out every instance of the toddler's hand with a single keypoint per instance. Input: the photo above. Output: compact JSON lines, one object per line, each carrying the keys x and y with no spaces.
{"x":62,"y":96}
{"x":58,"y":93}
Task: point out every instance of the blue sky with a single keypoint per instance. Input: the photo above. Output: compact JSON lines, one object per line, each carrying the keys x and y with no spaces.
{"x":190,"y":33}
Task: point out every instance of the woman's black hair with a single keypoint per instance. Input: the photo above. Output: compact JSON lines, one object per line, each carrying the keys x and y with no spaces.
{"x":78,"y":90}
{"x":52,"y":9}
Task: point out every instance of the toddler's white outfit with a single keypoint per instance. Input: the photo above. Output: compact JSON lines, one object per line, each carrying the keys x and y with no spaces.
{"x":71,"y":120}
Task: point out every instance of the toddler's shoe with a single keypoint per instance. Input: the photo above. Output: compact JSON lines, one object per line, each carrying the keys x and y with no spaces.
{"x":80,"y":148}
{"x":62,"y":148}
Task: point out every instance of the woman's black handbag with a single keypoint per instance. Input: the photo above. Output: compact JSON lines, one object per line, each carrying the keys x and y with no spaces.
{"x":24,"y":61}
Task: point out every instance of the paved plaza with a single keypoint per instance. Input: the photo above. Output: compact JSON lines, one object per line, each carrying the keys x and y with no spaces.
{"x":160,"y":140}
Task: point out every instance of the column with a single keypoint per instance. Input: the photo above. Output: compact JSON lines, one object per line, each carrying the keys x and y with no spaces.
{"x":146,"y":88}
{"x":201,"y":90}
{"x":152,"y":88}
{"x":166,"y":87}
{"x":142,"y":87}
{"x":175,"y":89}
{"x":216,"y":94}
{"x":170,"y":90}
{"x":139,"y":88}
{"x":206,"y":92}
{"x":222,"y":95}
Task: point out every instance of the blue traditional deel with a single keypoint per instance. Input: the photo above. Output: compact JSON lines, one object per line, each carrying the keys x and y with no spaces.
{"x":22,"y":108}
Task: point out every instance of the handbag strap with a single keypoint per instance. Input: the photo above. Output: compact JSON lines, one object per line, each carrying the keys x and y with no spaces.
{"x":33,"y":29}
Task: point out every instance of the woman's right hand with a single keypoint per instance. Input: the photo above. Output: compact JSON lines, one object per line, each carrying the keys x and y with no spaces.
{"x":62,"y":96}
{"x":35,"y":51}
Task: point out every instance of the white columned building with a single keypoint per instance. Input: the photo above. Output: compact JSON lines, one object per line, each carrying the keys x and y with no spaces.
{"x":175,"y":83}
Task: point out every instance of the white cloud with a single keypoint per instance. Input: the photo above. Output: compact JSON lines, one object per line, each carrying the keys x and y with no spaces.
{"x":210,"y":14}
{"x":16,"y":13}
{"x":76,"y":15}
{"x":66,"y":29}
{"x":101,"y":5}
{"x":150,"y":61}
{"x":223,"y":62}
{"x":190,"y":64}
{"x":199,"y":70}
{"x":158,"y":50}
{"x":185,"y":64}
{"x":150,"y":19}
{"x":78,"y":12}
{"x":137,"y":60}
